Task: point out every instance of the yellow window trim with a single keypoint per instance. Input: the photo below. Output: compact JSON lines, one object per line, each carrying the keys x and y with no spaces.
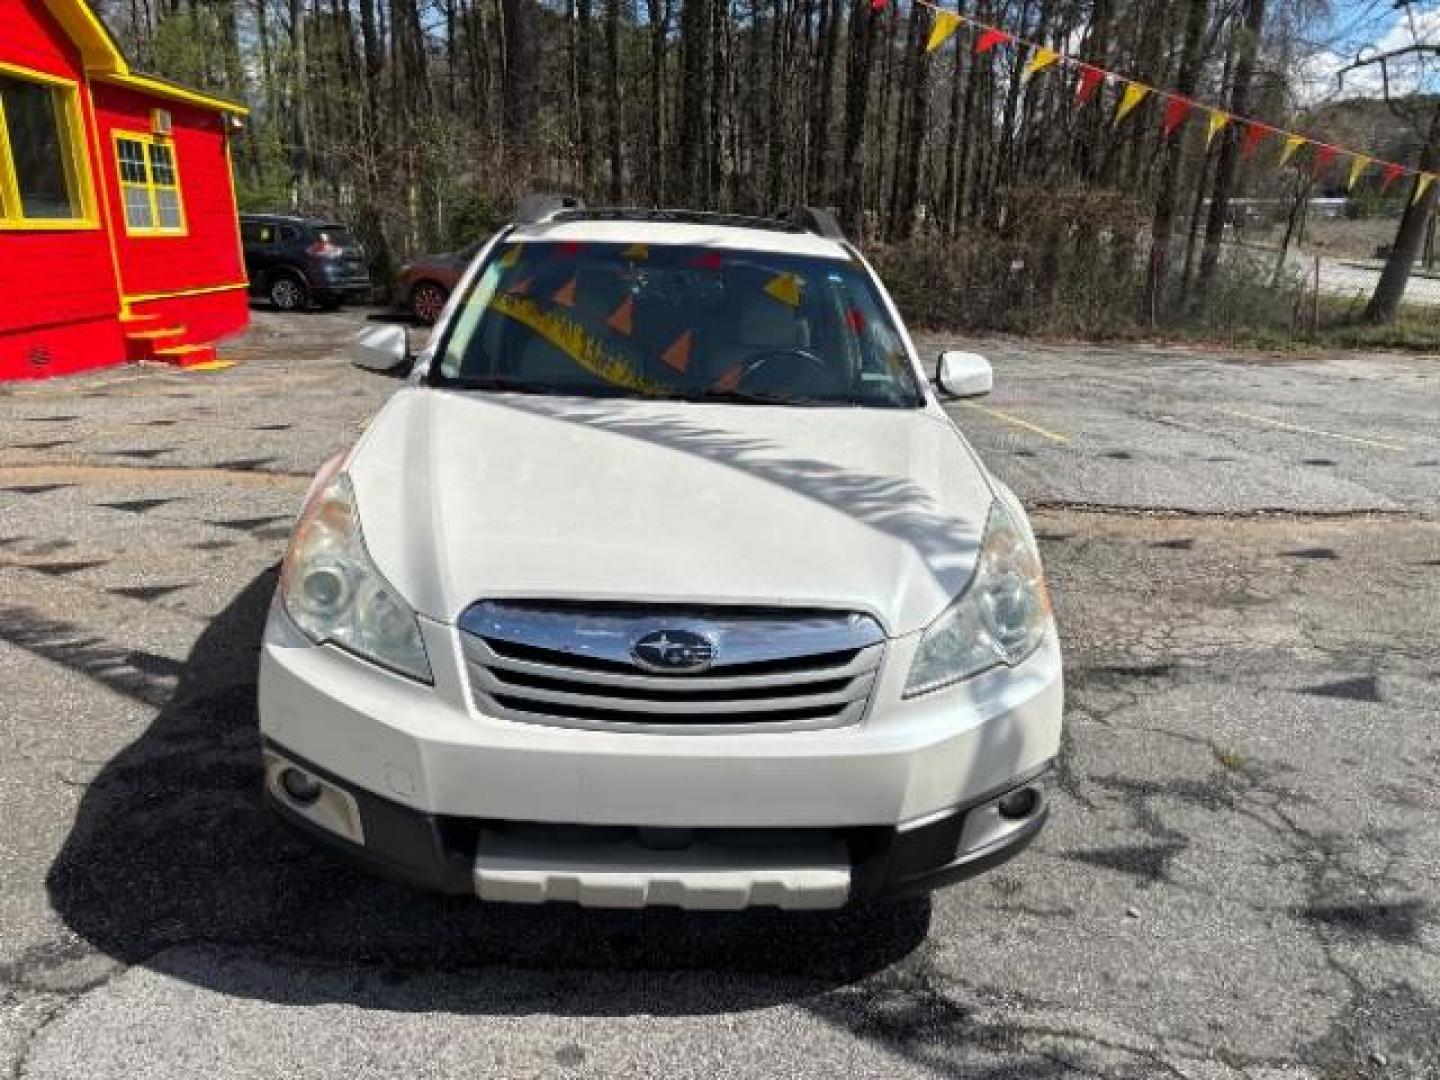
{"x":75,"y":159}
{"x":151,"y":187}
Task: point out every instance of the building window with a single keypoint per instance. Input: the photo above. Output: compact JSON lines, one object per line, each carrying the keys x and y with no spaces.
{"x":43,"y":167}
{"x":149,"y":185}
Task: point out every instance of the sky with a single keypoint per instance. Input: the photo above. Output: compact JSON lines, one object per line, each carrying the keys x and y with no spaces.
{"x":1365,"y":28}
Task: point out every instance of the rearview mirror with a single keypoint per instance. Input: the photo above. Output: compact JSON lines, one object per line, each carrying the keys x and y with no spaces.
{"x":379,"y":348}
{"x":964,"y":374}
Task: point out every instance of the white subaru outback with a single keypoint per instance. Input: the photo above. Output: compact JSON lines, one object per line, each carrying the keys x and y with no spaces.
{"x":666,"y":581}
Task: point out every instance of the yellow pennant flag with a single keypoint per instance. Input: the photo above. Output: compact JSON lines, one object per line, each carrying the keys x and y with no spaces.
{"x":1292,"y":143}
{"x":1134,"y":94}
{"x":1357,"y":166}
{"x":1218,"y":120}
{"x":946,"y":23}
{"x":1040,"y":60}
{"x":1422,"y":185}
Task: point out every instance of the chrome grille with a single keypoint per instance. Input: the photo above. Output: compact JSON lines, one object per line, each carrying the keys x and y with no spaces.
{"x":571,"y":665}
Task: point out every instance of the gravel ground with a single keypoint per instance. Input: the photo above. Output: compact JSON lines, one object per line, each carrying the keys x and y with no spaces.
{"x":1239,"y":878}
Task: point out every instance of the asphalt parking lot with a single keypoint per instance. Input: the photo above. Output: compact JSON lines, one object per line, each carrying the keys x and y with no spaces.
{"x":1241,"y":877}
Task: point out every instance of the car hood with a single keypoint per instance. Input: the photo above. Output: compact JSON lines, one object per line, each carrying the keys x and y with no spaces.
{"x":467,"y":496}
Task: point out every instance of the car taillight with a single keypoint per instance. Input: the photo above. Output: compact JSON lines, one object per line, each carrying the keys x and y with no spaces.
{"x":323,"y":249}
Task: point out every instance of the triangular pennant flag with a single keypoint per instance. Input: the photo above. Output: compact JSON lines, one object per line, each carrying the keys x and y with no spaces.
{"x":1255,"y":134}
{"x":1176,"y":110}
{"x":678,"y":354}
{"x":1422,"y":185}
{"x":1292,"y":143}
{"x":636,"y":252}
{"x":729,"y":379}
{"x":878,"y":5}
{"x":1392,"y":173}
{"x":1090,"y":80}
{"x":946,"y":23}
{"x":520,"y":288}
{"x":707,"y":260}
{"x":622,"y":319}
{"x":565,"y":295}
{"x":1134,"y":94}
{"x":1215,"y":125}
{"x":511,"y":257}
{"x":785,"y":288}
{"x":1040,"y":59}
{"x":1358,"y":162}
{"x":989,"y":38}
{"x":1325,"y":155}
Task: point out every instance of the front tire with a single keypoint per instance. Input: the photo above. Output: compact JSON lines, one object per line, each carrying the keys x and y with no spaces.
{"x":427,"y":300}
{"x":287,"y":293}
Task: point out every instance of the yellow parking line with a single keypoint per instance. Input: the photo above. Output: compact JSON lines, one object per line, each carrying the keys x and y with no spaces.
{"x":1052,"y":436}
{"x":1312,"y":431}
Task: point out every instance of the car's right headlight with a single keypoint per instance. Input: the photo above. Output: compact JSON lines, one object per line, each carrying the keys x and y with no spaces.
{"x":1000,"y":617}
{"x":334,"y":593}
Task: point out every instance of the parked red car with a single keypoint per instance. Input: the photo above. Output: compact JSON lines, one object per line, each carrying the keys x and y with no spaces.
{"x":424,"y":284}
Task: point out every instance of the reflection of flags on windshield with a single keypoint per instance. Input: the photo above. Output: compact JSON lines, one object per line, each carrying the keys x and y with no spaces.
{"x":622,"y":319}
{"x":677,"y":355}
{"x":565,"y":334}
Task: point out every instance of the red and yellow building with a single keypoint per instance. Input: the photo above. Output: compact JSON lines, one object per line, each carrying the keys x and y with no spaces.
{"x":118,"y":228}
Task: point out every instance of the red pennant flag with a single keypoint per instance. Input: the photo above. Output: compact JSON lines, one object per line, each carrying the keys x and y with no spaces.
{"x":878,"y":5}
{"x":568,"y":247}
{"x":1175,"y":112}
{"x":1391,"y":174}
{"x":1090,"y":80}
{"x":678,"y":354}
{"x":1324,"y":158}
{"x":565,"y":295}
{"x":855,"y":321}
{"x":990,"y":38}
{"x":1255,"y":134}
{"x":729,"y":379}
{"x":622,"y":319}
{"x":709,"y":260}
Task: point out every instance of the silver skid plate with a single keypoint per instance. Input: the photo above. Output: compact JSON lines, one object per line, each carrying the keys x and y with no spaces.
{"x":624,"y":874}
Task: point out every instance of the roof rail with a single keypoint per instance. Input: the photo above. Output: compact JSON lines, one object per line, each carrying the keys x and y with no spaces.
{"x":534,"y":209}
{"x":814,"y":220}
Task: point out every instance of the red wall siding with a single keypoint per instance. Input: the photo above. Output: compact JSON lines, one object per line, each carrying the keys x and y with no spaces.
{"x":209,"y":253}
{"x":58,"y":297}
{"x":30,"y":38}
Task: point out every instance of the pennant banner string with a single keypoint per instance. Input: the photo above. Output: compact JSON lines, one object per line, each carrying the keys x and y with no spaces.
{"x":1177,"y":107}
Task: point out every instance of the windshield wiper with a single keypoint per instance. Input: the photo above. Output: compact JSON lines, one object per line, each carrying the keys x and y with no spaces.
{"x":750,"y":397}
{"x":521,"y":386}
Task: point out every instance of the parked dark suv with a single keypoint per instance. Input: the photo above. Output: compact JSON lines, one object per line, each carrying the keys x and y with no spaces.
{"x":296,"y":261}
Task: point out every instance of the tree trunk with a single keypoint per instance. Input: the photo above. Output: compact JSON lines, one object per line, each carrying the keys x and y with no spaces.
{"x":1229,"y":160}
{"x":615,"y":125}
{"x":1162,"y":226}
{"x":1384,"y":306}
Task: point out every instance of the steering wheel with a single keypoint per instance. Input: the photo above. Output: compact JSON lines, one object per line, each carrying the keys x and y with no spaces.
{"x":758,"y":363}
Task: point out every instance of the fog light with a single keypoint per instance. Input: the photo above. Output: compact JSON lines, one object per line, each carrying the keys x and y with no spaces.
{"x":1019,"y":804}
{"x":300,"y":786}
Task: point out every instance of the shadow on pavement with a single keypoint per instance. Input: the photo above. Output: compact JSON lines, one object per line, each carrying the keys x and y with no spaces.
{"x":172,"y":848}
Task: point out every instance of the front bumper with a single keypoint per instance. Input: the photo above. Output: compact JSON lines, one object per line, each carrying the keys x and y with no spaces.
{"x":443,"y":854}
{"x":428,"y":772}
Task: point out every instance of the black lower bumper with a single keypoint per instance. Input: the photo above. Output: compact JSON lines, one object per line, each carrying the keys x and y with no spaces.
{"x":436,"y":853}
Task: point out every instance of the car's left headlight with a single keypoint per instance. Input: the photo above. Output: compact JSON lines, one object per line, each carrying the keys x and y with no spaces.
{"x":1000,"y":617}
{"x":334,"y":593}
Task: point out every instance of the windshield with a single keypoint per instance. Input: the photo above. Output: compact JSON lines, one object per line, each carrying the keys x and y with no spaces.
{"x":668,"y":321}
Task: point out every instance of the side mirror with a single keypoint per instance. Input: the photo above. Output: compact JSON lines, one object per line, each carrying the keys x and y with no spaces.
{"x":964,"y":374}
{"x":379,"y":348}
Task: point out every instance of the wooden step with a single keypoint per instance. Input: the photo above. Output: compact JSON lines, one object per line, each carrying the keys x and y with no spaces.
{"x":143,"y":344}
{"x":186,"y":355}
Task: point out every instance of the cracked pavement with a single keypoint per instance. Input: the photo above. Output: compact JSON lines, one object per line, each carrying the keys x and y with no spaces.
{"x":1239,"y":878}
